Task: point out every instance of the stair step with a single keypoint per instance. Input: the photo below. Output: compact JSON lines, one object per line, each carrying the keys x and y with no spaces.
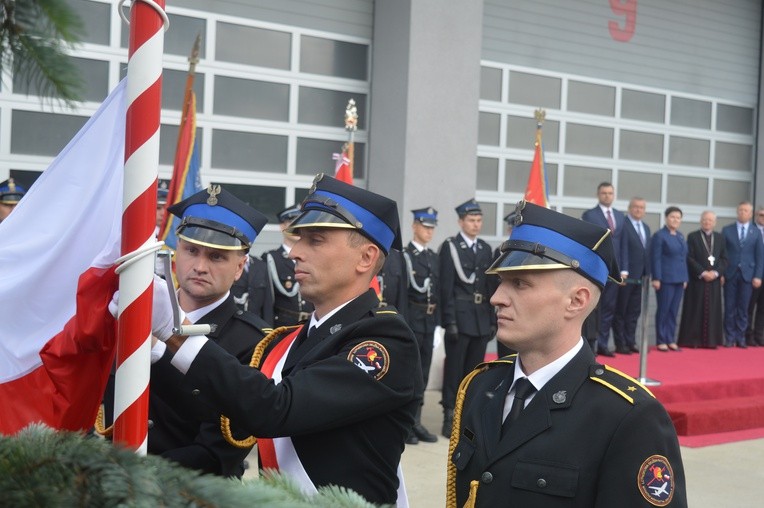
{"x":717,"y":415}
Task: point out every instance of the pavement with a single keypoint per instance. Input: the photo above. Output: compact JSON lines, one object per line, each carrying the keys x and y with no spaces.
{"x":721,"y":476}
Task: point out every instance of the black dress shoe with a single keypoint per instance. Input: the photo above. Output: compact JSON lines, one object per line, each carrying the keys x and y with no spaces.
{"x":412,"y":439}
{"x":633,"y":348}
{"x":623,"y":350}
{"x":423,"y":434}
{"x":742,"y":346}
{"x":728,"y":345}
{"x":605,"y":352}
{"x":448,"y":422}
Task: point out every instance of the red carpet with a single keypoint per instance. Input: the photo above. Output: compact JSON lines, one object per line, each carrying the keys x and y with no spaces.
{"x":713,"y":396}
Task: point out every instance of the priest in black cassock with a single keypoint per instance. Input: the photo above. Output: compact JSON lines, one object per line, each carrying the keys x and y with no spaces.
{"x":702,"y":321}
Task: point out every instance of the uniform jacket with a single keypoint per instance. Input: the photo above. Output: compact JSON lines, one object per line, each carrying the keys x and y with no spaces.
{"x":174,"y":432}
{"x":457,"y":298}
{"x":424,"y":264}
{"x":697,"y":254}
{"x":596,"y":216}
{"x":392,"y":282}
{"x":287,"y":310}
{"x":748,"y":255}
{"x":347,"y":425}
{"x":578,"y":443}
{"x":253,"y":290}
{"x":668,"y":257}
{"x":635,"y":259}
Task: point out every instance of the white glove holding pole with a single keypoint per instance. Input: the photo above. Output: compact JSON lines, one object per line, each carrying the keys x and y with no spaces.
{"x":162,"y":322}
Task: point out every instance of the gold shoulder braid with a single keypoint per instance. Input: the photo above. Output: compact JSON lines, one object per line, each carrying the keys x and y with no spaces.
{"x":99,"y":426}
{"x":454,"y":439}
{"x":257,"y":358}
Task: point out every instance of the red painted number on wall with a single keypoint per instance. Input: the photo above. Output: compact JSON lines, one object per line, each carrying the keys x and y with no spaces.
{"x":628,"y":10}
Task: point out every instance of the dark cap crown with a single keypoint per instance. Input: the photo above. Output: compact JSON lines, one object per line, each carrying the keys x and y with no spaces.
{"x":545,"y":239}
{"x":216,"y":218}
{"x":470,"y":207}
{"x":426,"y":216}
{"x":11,"y":192}
{"x":289,"y":213}
{"x":335,"y":204}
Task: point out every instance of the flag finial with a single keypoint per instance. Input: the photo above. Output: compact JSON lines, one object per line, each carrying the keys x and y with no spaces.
{"x":351,"y":116}
{"x":540,"y":115}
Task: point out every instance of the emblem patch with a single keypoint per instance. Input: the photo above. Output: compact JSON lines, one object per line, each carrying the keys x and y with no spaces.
{"x":371,"y":357}
{"x":656,"y":480}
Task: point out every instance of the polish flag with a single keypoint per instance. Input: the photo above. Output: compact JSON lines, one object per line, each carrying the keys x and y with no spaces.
{"x":58,"y":246}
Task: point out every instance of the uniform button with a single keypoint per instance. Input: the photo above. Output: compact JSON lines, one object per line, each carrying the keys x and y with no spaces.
{"x":541,"y":483}
{"x":486,"y":477}
{"x":239,"y":312}
{"x":599,"y":372}
{"x":458,"y":454}
{"x":195,"y":392}
{"x":151,"y":423}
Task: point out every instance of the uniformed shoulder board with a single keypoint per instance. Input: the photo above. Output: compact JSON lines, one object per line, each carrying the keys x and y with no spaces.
{"x":622,"y":384}
{"x":253,"y":320}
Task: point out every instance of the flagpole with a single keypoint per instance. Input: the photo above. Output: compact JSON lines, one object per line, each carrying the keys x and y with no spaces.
{"x":144,"y":94}
{"x":351,"y":125}
{"x":185,"y":112}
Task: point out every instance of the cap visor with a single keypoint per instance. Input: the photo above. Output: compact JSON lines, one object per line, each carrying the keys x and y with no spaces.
{"x":521,"y":260}
{"x":211,"y":238}
{"x":318,"y":219}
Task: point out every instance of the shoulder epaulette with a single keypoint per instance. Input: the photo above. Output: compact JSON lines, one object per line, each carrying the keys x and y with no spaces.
{"x":385,"y":310}
{"x":622,"y":384}
{"x":254,"y":320}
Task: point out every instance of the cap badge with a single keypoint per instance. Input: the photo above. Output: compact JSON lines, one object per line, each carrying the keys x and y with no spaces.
{"x":431,"y":210}
{"x":213,"y":191}
{"x":11,"y":185}
{"x":560,"y":397}
{"x":317,"y":179}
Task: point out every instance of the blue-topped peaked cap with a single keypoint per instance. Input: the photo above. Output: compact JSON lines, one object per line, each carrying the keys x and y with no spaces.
{"x":543,"y":239}
{"x":335,"y":204}
{"x":163,"y":191}
{"x":216,"y":218}
{"x":289,"y":214}
{"x":10,"y":192}
{"x":426,"y":216}
{"x":470,"y":207}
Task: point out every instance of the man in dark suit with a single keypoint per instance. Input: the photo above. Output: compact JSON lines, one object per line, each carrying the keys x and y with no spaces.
{"x":634,"y":265}
{"x":754,"y":335}
{"x":289,"y":306}
{"x":550,"y":426}
{"x":466,"y":312}
{"x":606,"y":216}
{"x":422,"y":293}
{"x":331,"y":403}
{"x":745,"y":255}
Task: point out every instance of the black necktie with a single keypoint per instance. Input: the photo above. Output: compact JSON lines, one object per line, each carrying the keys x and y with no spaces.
{"x":523,"y":389}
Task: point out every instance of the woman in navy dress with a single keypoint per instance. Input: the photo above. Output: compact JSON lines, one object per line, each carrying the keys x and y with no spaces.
{"x":668,"y":257}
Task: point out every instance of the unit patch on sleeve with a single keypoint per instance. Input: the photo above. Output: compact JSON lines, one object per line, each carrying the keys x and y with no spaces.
{"x":371,"y":357}
{"x":656,"y":480}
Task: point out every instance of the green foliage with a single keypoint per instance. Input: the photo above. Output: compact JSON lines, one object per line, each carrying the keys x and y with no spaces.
{"x":42,"y":467}
{"x":34,"y":38}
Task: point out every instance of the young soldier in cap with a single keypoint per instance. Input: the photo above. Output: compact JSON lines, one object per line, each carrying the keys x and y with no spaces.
{"x":550,"y":426}
{"x":333,"y":405}
{"x":214,"y":236}
{"x":10,"y":195}
{"x":466,"y":312}
{"x":423,"y":313}
{"x":289,"y":306}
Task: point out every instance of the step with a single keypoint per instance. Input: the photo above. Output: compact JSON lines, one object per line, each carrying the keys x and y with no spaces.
{"x":718,"y":415}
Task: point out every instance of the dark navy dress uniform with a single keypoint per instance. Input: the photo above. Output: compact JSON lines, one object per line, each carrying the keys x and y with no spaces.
{"x":423,"y":312}
{"x":590,"y":436}
{"x":464,"y":304}
{"x":289,"y":307}
{"x":392,"y":283}
{"x":541,"y":462}
{"x":253,"y":292}
{"x":178,"y":436}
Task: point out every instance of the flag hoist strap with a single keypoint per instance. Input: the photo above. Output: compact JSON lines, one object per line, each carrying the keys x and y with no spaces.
{"x":458,"y":265}
{"x":255,"y":362}
{"x":153,"y":4}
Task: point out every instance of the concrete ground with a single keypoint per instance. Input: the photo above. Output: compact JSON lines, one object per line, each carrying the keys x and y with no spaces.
{"x":729,"y":475}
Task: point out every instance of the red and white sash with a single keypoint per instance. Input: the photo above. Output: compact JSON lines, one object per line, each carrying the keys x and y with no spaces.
{"x":278,"y":453}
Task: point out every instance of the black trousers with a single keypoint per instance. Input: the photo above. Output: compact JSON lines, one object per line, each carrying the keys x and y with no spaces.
{"x":462,"y":355}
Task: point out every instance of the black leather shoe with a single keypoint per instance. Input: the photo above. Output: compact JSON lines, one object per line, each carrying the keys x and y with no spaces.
{"x":423,"y":434}
{"x":728,"y":345}
{"x":633,"y":348}
{"x":605,"y":352}
{"x":412,"y":439}
{"x":742,"y":346}
{"x":623,"y":350}
{"x":448,"y":422}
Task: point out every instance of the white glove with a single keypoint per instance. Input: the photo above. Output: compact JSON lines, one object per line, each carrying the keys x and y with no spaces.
{"x":161,"y":315}
{"x":437,"y":336}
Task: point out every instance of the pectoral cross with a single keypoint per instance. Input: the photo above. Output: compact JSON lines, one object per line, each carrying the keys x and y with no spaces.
{"x":711,"y":260}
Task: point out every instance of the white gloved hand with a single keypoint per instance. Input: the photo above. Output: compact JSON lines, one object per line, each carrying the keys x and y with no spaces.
{"x":161,"y":315}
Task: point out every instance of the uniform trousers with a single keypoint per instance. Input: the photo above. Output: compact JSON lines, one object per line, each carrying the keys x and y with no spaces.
{"x":462,"y":356}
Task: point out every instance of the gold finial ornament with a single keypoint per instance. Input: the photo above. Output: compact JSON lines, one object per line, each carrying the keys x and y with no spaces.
{"x":213,"y":191}
{"x":351,"y":116}
{"x":540,"y":115}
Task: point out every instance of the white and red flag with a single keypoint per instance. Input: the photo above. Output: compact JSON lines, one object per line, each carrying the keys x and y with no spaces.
{"x":57,"y":251}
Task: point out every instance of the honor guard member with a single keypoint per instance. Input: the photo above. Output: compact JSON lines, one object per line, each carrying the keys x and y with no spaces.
{"x":215,"y":233}
{"x":423,"y":313}
{"x":289,"y":307}
{"x":466,"y":312}
{"x":332,"y":402}
{"x":10,"y":195}
{"x":252,"y":292}
{"x":392,"y":283}
{"x":550,"y":426}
